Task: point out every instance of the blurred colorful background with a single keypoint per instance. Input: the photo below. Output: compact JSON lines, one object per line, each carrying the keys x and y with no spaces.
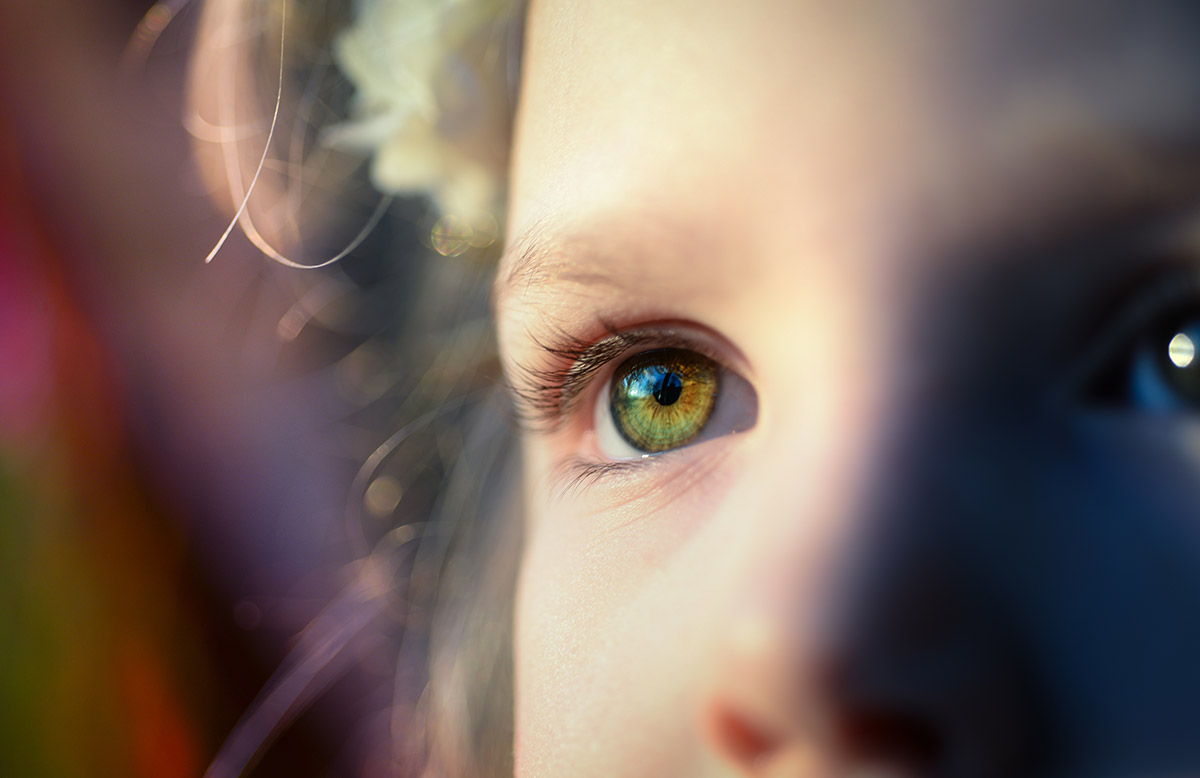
{"x":177,"y":440}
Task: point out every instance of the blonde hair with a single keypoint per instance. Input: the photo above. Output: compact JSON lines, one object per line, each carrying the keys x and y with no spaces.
{"x":409,"y":100}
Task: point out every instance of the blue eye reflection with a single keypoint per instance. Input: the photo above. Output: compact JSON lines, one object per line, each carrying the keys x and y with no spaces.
{"x":659,"y":382}
{"x":1165,"y":373}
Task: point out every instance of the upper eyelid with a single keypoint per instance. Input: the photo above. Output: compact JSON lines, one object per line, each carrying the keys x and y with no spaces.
{"x":548,"y":394}
{"x":542,"y":391}
{"x":1169,"y":288}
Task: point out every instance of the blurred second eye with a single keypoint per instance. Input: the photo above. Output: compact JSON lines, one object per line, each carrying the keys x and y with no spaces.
{"x":669,"y":398}
{"x":1165,"y":370}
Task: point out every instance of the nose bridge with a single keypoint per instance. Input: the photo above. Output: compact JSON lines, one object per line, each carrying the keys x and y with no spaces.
{"x":918,"y":642}
{"x":867,"y":468}
{"x":901,"y":559}
{"x":904,"y":655}
{"x":916,"y":646}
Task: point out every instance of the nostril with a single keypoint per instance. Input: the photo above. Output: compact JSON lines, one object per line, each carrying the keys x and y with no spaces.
{"x":895,"y":739}
{"x":739,"y":738}
{"x":898,"y":742}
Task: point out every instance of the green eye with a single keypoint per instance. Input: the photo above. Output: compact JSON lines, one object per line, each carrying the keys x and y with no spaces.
{"x":662,"y":399}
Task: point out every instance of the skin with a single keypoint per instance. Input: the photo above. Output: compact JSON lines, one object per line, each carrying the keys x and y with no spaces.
{"x":913,"y":229}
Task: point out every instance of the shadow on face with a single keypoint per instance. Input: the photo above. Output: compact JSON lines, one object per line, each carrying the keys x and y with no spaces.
{"x":950,"y":250}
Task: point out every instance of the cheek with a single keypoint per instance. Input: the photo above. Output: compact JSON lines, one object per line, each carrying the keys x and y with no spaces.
{"x":611,"y":643}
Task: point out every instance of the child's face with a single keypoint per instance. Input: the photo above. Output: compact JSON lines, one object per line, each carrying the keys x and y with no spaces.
{"x":918,"y":280}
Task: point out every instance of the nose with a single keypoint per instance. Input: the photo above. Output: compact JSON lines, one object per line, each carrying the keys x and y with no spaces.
{"x":925,"y":671}
{"x":909,"y":665}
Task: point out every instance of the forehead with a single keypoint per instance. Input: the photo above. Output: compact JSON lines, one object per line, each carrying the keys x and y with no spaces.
{"x":737,"y":113}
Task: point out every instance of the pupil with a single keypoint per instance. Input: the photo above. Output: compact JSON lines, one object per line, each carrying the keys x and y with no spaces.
{"x":668,"y":388}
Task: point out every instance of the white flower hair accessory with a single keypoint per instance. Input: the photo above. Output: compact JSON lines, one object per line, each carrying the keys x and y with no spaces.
{"x":435,"y":84}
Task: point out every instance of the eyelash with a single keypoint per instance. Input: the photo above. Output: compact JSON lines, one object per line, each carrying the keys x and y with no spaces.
{"x":547,"y":395}
{"x":578,"y":473}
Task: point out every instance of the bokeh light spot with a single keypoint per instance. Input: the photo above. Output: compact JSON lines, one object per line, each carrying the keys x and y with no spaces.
{"x":1181,"y":350}
{"x":382,"y":497}
{"x":453,"y":235}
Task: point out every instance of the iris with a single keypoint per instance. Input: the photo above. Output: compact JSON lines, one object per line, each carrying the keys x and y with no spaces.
{"x":661,"y":399}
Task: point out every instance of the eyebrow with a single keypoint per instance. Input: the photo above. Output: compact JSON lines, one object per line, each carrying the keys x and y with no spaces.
{"x":538,"y":255}
{"x":620,"y":251}
{"x":621,"y":258}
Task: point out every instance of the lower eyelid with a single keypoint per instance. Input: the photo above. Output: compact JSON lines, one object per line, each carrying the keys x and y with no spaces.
{"x":636,"y":489}
{"x":580,"y":472}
